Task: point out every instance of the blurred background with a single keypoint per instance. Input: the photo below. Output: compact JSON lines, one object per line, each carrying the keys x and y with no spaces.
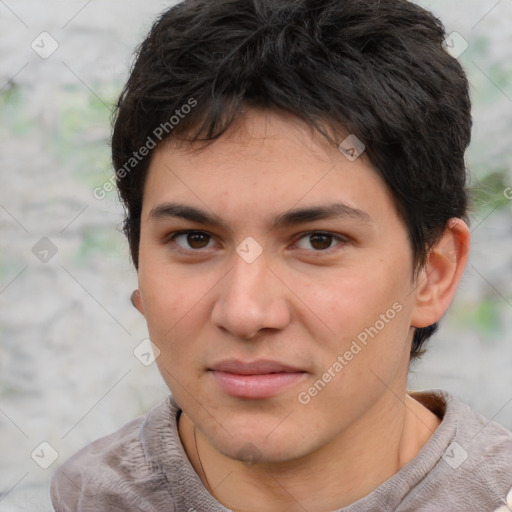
{"x":71,"y":360}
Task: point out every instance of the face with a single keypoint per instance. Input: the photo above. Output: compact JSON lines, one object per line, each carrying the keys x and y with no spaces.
{"x":275,"y":278}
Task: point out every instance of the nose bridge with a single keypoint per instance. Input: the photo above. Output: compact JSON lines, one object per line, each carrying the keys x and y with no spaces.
{"x":248,"y":274}
{"x":248,"y":299}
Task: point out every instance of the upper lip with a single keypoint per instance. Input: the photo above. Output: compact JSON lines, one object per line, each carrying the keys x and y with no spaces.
{"x":259,"y":367}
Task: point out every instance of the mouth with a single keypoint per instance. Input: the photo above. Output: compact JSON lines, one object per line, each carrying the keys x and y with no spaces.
{"x":256,"y":379}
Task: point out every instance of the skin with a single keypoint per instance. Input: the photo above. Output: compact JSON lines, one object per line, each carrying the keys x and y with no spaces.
{"x":300,"y":302}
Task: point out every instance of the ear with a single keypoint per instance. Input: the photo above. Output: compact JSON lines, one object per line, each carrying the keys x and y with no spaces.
{"x":438,"y":280}
{"x":137,"y":301}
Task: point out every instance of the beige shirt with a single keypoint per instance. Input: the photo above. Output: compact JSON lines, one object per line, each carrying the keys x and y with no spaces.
{"x":466,"y":466}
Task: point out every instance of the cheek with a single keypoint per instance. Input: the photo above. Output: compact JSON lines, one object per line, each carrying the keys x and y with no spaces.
{"x":368,"y":315}
{"x":165,"y":302}
{"x":176,"y":311}
{"x":172,"y":320}
{"x":350,"y":302}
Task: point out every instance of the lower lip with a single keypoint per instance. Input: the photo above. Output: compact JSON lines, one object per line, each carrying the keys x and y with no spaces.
{"x":256,"y":386}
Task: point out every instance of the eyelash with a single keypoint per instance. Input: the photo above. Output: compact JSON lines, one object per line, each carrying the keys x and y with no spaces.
{"x":172,"y":236}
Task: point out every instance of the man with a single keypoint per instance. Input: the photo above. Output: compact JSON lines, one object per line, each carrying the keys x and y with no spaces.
{"x":293,"y":175}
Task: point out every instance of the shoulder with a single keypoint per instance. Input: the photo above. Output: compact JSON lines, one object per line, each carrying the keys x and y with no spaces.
{"x":484,"y":463}
{"x":474,"y":470}
{"x":485,"y":443}
{"x":112,"y":473}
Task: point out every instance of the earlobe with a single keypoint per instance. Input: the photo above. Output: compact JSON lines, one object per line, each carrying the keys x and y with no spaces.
{"x":137,"y":301}
{"x":439,"y":279}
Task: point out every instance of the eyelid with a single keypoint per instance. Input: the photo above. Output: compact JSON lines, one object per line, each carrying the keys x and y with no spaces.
{"x":171,"y":236}
{"x":340,"y":238}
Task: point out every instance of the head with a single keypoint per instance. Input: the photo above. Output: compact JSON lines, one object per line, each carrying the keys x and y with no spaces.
{"x":238,"y":108}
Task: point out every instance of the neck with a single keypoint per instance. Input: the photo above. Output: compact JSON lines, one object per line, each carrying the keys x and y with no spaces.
{"x":369,"y":453}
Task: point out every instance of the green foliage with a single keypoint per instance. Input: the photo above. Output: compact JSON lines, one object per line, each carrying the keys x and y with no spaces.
{"x":98,"y":241}
{"x":82,"y":144}
{"x":488,"y":192}
{"x":14,"y":120}
{"x":483,"y":317}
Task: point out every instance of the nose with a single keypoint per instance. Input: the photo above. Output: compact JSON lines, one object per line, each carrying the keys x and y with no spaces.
{"x":251,"y":298}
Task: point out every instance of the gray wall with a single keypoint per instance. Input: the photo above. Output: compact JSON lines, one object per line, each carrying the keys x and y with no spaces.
{"x":68,"y":374}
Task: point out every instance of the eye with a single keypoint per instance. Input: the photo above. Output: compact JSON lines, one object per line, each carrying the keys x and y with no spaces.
{"x":320,"y":241}
{"x":313,"y":241}
{"x":195,"y":240}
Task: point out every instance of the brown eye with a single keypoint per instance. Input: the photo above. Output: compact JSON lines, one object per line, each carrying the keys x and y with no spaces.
{"x":197,"y":240}
{"x":320,"y":241}
{"x":194,"y":240}
{"x":317,"y":241}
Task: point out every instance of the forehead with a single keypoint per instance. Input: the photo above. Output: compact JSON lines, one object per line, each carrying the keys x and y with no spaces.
{"x":265,"y":164}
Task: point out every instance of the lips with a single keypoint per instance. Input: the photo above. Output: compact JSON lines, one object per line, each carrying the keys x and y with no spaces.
{"x":260,"y":367}
{"x":256,"y":379}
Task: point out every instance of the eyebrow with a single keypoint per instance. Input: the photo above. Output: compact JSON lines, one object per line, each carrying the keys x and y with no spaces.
{"x":285,"y":219}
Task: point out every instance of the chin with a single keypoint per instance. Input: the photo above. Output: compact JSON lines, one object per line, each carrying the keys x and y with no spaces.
{"x":256,"y":447}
